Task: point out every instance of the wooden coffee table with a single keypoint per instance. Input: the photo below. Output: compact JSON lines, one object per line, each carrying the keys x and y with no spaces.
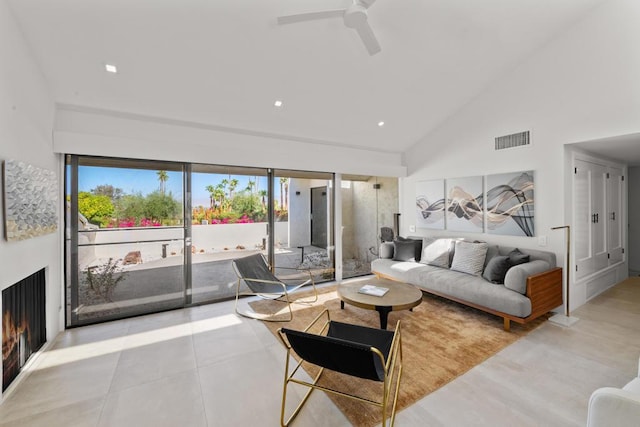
{"x":401,"y":296}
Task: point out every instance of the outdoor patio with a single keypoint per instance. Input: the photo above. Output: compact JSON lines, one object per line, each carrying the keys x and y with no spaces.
{"x":157,"y":284}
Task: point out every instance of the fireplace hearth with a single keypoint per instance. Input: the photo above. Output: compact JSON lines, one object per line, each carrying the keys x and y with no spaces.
{"x":23,"y":324}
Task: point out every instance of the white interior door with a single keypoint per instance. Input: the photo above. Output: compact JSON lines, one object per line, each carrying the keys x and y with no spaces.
{"x":614,"y":217}
{"x":599,"y":213}
{"x":582,"y":220}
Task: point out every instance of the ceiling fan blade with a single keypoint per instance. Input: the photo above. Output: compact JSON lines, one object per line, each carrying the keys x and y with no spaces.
{"x":368,"y":38}
{"x":310,"y":16}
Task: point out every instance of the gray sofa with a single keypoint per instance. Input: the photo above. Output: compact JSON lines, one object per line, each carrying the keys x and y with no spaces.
{"x":523,"y":292}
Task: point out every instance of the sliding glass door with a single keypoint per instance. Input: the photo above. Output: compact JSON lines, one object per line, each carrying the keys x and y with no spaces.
{"x":229,"y":220}
{"x":303,"y":222}
{"x":125,"y":238}
{"x":368,"y":204}
{"x":144,"y":236}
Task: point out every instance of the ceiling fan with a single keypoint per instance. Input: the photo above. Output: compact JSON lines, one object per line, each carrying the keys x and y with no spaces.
{"x":355,"y":16}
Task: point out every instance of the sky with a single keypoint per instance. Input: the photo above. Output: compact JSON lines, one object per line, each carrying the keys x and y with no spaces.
{"x":145,"y":181}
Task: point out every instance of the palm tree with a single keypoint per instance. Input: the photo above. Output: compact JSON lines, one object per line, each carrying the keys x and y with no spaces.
{"x":162,"y":177}
{"x":250,"y":186}
{"x":218,"y":194}
{"x":212,"y":190}
{"x":221,"y":194}
{"x":263,"y":195}
{"x":233,"y":184}
{"x":224,"y":184}
{"x":283,"y":181}
{"x":286,"y":194}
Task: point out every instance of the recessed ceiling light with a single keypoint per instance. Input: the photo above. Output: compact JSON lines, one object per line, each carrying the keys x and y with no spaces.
{"x":278,"y":103}
{"x":111,"y":68}
{"x":380,"y":124}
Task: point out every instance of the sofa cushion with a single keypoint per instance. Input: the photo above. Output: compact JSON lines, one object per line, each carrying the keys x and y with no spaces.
{"x":516,"y":277}
{"x":469,"y":257}
{"x":396,"y":270}
{"x":497,"y":268}
{"x":417,"y":242}
{"x":470,"y":288}
{"x":492,"y":251}
{"x":516,"y":257}
{"x":404,"y":251}
{"x":436,"y":252}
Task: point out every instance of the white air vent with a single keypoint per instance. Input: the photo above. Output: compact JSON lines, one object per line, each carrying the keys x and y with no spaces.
{"x":513,"y":140}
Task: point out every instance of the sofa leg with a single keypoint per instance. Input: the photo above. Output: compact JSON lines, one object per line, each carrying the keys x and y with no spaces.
{"x":507,"y":324}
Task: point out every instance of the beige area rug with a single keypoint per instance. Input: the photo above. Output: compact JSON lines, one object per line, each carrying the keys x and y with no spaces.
{"x":441,"y":340}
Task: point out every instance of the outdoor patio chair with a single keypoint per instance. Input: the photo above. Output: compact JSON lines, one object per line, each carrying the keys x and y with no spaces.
{"x":358,"y":351}
{"x":255,"y":272}
{"x":386,"y":234}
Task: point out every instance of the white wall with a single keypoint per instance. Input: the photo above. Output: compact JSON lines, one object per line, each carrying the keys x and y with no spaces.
{"x":582,"y":86}
{"x":26,"y":121}
{"x":120,"y":135}
{"x":299,"y":213}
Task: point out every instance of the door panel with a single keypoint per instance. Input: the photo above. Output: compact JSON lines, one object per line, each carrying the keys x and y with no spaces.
{"x":599,"y":209}
{"x":598,"y":217}
{"x":319,"y":217}
{"x":126,"y":238}
{"x":582,"y":219}
{"x":368,"y":204}
{"x":303,"y":225}
{"x":229,"y":220}
{"x":614,"y":216}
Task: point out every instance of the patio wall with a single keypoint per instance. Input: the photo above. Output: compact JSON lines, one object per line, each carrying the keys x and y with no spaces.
{"x":210,"y":238}
{"x":219,"y":236}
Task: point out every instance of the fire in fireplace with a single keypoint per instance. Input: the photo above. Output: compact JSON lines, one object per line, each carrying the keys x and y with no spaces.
{"x":23,"y":324}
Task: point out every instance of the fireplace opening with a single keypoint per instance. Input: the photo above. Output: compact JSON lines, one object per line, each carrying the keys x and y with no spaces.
{"x":23,"y":324}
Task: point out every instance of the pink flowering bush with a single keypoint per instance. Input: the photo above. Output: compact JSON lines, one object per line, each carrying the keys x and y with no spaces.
{"x":145,"y":222}
{"x":244,"y":219}
{"x":131,"y":222}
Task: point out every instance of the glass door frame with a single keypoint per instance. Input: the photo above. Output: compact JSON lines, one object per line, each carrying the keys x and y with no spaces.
{"x":72,"y":272}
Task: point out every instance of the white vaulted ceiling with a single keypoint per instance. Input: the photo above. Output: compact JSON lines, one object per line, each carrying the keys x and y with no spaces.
{"x":225,"y":62}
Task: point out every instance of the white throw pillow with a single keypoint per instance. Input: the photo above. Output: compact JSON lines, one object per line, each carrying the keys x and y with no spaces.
{"x":436,"y":252}
{"x":469,"y":257}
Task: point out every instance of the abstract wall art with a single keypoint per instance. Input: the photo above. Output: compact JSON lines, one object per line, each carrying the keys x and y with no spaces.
{"x":30,"y":201}
{"x":510,"y":204}
{"x":465,"y":204}
{"x":430,"y":204}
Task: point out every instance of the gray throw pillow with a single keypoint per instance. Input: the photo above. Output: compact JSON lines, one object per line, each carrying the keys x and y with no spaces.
{"x":404,"y":251}
{"x":491,"y":252}
{"x":469,"y":257}
{"x":496,"y":269}
{"x":516,"y":257}
{"x":417,"y":245}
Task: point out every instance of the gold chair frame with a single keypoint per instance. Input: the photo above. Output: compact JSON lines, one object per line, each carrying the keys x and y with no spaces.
{"x":278,"y":295}
{"x":393,"y":362}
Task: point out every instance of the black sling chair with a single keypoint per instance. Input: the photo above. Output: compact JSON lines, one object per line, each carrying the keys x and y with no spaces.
{"x":359,"y":351}
{"x":254,"y":271}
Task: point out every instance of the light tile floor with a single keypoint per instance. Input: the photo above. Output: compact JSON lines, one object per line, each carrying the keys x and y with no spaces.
{"x":205,"y":366}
